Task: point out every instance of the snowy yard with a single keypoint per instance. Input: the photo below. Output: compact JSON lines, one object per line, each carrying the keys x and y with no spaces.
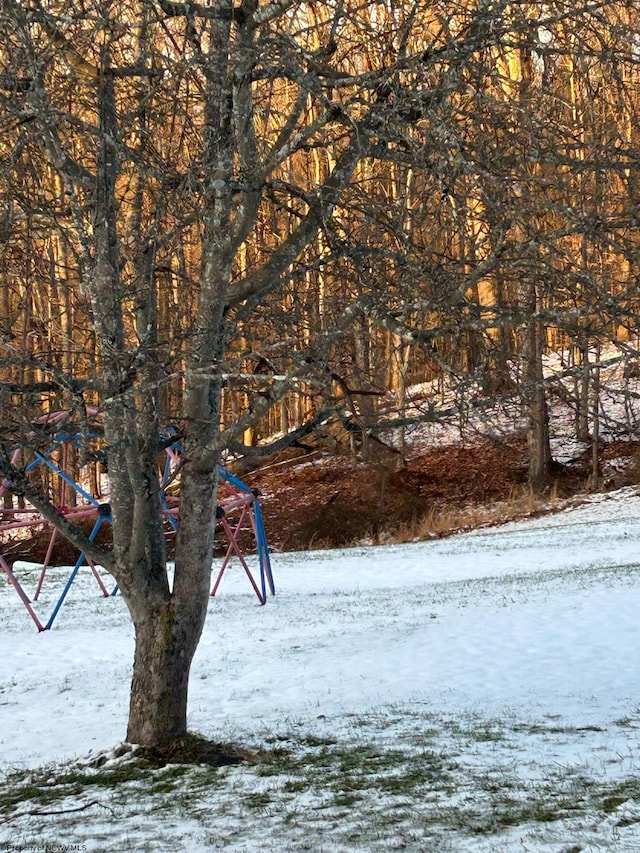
{"x":479,"y":693}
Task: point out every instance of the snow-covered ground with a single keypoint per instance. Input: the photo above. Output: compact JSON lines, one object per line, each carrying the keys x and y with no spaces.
{"x":479,"y":693}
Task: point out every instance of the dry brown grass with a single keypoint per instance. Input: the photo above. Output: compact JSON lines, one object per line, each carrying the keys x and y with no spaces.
{"x":447,"y":520}
{"x":335,"y":502}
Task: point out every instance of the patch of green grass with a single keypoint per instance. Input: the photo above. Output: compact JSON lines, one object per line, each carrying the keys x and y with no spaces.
{"x":19,"y":793}
{"x":626,"y":723}
{"x":416,"y":773}
{"x":424,"y":737}
{"x":360,"y":758}
{"x":47,"y":786}
{"x":171,"y":778}
{"x":485,"y":734}
{"x":475,"y":730}
{"x":348,"y":770}
{"x":613,"y":797}
{"x":295,"y":786}
{"x":315,"y":740}
{"x":542,"y":729}
{"x":530,"y":813}
{"x":346,"y":799}
{"x":567,"y":795}
{"x":506,"y":814}
{"x":434,"y":778}
{"x":258,"y":800}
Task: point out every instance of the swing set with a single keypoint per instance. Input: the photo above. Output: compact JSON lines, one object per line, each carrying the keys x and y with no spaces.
{"x":238,"y":516}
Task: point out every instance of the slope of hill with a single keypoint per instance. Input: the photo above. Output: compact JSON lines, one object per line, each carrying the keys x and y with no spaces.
{"x":326,"y":499}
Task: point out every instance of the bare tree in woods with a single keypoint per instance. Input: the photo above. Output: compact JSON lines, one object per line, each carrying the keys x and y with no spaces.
{"x":190,"y":176}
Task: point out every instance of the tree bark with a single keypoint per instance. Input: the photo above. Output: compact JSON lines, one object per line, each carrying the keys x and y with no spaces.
{"x":535,"y":399}
{"x":162,"y":661}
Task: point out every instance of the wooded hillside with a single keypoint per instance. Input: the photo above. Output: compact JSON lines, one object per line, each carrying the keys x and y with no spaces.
{"x":489,"y":212}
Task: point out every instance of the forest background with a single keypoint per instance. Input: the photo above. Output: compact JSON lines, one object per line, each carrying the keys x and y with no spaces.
{"x":492,"y":216}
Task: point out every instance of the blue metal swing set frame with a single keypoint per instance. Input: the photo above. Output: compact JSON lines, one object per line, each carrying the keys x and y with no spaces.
{"x":238,"y":509}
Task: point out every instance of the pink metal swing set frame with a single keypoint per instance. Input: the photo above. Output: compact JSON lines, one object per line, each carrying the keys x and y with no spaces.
{"x":238,"y":511}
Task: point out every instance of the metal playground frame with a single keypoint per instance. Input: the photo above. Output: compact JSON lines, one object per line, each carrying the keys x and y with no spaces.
{"x":238,"y":514}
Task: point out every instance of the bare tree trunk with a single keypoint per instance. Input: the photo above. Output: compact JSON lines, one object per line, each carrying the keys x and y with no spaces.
{"x":583,"y":391}
{"x":168,"y":625}
{"x":595,"y":447}
{"x":158,"y":700}
{"x":400,"y":364}
{"x":535,"y":398}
